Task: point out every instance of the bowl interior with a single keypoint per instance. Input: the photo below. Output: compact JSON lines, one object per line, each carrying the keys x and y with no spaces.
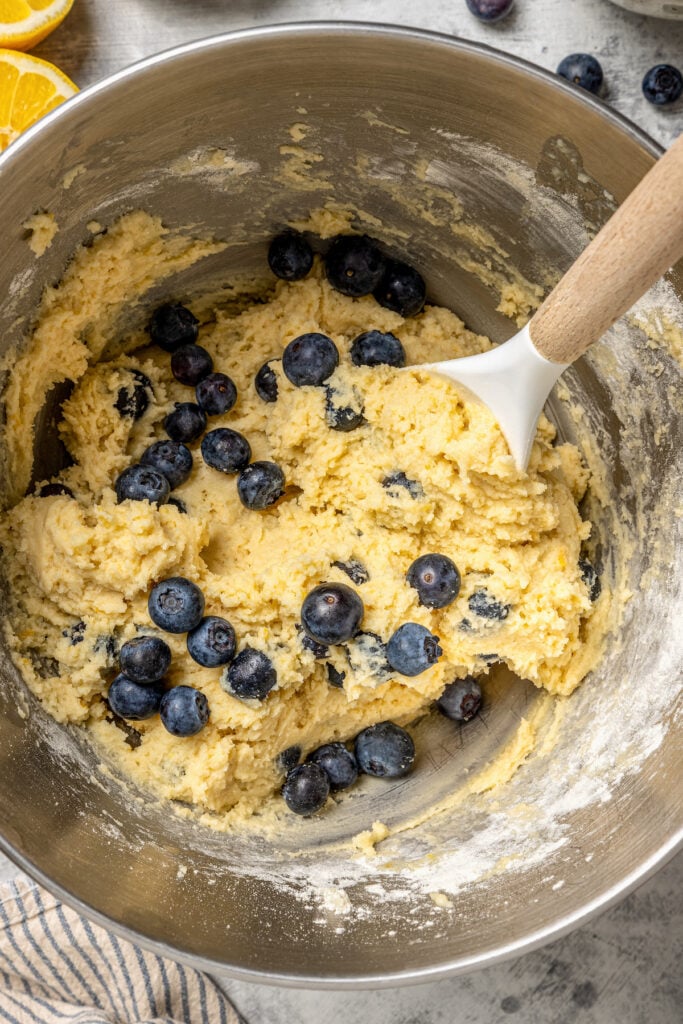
{"x":485,"y":174}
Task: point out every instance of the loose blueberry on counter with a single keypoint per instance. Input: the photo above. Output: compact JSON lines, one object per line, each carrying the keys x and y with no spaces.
{"x":436,"y":579}
{"x":401,"y":289}
{"x":591,"y":577}
{"x":397,"y":483}
{"x":260,"y":485}
{"x":367,"y":652}
{"x":582,"y":69}
{"x":662,"y":84}
{"x":310,"y":359}
{"x":385,"y":750}
{"x":54,"y":490}
{"x":331,"y":613}
{"x":216,"y":394}
{"x":173,"y":325}
{"x":342,"y":417}
{"x":179,"y":504}
{"x":226,"y":450}
{"x":377,"y":348}
{"x":142,"y":483}
{"x":490,"y":10}
{"x":306,"y":789}
{"x":176,"y":605}
{"x":355,"y":570}
{"x":129,"y":699}
{"x":288,"y":758}
{"x":461,"y":700}
{"x":335,"y":677}
{"x":338,"y":763}
{"x":309,"y":644}
{"x":212,"y":642}
{"x":185,"y":423}
{"x":133,"y":400}
{"x":265,"y":383}
{"x":483,"y":604}
{"x":190,"y":364}
{"x":354,"y":265}
{"x":290,"y":257}
{"x":251,"y":676}
{"x":75,"y":633}
{"x":184,"y":711}
{"x":170,"y":458}
{"x":412,"y":649}
{"x":145,"y":659}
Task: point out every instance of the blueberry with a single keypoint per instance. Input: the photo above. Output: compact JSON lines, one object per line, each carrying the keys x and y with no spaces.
{"x":265,"y":383}
{"x":184,"y":711}
{"x":367,"y":653}
{"x":145,"y":659}
{"x":436,"y":579}
{"x":190,"y":364}
{"x":461,"y":700}
{"x":340,"y":416}
{"x":332,"y":613}
{"x":310,"y":359}
{"x":385,"y":750}
{"x":176,"y":605}
{"x":355,"y":570}
{"x":308,"y":644}
{"x":179,"y":504}
{"x":53,"y":490}
{"x":335,"y":677}
{"x":251,"y":676}
{"x":306,"y":789}
{"x":260,"y":485}
{"x":377,"y":348}
{"x":354,"y":265}
{"x":662,"y":84}
{"x":133,"y":400}
{"x":483,"y":604}
{"x":591,"y":577}
{"x":75,"y":633}
{"x":397,"y":484}
{"x":290,"y":257}
{"x":212,"y":642}
{"x":108,"y":645}
{"x":129,"y":699}
{"x":216,"y":394}
{"x":170,"y":458}
{"x":288,"y":759}
{"x":401,"y":289}
{"x":581,"y":69}
{"x":186,"y":422}
{"x":173,"y":325}
{"x":412,"y":649}
{"x":226,"y":450}
{"x":338,"y":763}
{"x":490,"y":10}
{"x":142,"y":483}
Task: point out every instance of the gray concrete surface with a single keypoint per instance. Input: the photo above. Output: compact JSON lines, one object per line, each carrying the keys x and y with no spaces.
{"x":624,"y":967}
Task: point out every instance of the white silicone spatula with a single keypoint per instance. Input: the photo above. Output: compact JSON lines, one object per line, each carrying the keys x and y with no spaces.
{"x":634,"y":248}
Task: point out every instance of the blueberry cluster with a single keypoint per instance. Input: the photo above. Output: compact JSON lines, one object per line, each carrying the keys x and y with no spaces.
{"x":384,"y":750}
{"x":167,"y":464}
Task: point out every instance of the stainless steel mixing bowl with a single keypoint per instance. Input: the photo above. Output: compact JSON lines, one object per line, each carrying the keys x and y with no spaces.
{"x":409,"y":126}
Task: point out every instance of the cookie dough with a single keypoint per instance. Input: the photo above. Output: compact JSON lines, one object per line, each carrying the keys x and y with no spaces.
{"x":428,"y":471}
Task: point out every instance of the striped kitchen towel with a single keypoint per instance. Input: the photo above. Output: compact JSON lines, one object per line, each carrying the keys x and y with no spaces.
{"x":58,"y":968}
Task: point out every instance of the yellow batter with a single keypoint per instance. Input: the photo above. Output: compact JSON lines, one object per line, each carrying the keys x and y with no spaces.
{"x":92,"y":561}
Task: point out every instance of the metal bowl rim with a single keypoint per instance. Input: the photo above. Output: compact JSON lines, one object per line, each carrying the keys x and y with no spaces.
{"x":644,"y":870}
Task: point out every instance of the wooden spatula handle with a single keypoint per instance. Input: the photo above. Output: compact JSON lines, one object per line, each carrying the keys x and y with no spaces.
{"x":635,"y":247}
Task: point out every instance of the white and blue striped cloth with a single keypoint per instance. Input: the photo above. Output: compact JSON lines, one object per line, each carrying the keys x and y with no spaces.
{"x":58,"y":968}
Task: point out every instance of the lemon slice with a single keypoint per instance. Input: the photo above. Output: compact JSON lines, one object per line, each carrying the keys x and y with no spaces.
{"x":29,"y":88}
{"x":24,"y":23}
